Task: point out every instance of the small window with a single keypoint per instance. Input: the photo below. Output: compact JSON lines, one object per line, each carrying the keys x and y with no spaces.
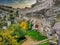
{"x":50,"y":34}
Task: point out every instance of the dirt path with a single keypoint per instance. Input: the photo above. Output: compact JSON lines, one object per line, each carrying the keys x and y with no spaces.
{"x":29,"y":41}
{"x":41,"y":42}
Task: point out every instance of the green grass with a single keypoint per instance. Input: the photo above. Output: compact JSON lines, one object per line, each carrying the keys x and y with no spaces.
{"x":36,"y":35}
{"x":45,"y":43}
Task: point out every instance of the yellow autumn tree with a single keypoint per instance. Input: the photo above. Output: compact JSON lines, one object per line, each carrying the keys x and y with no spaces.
{"x":24,"y":25}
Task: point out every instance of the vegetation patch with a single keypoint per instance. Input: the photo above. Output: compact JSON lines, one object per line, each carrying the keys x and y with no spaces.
{"x":36,"y":35}
{"x":45,"y":43}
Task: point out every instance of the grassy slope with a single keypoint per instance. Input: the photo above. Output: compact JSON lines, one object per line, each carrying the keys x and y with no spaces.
{"x":36,"y":35}
{"x":44,"y":43}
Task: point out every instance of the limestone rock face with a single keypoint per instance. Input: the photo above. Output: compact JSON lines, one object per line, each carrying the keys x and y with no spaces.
{"x":57,"y":2}
{"x":39,"y":5}
{"x":51,"y":7}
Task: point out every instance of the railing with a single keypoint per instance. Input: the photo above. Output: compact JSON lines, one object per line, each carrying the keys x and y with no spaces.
{"x":44,"y":41}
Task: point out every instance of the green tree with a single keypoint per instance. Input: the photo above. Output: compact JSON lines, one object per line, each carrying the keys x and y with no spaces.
{"x":17,"y":13}
{"x":11,"y":18}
